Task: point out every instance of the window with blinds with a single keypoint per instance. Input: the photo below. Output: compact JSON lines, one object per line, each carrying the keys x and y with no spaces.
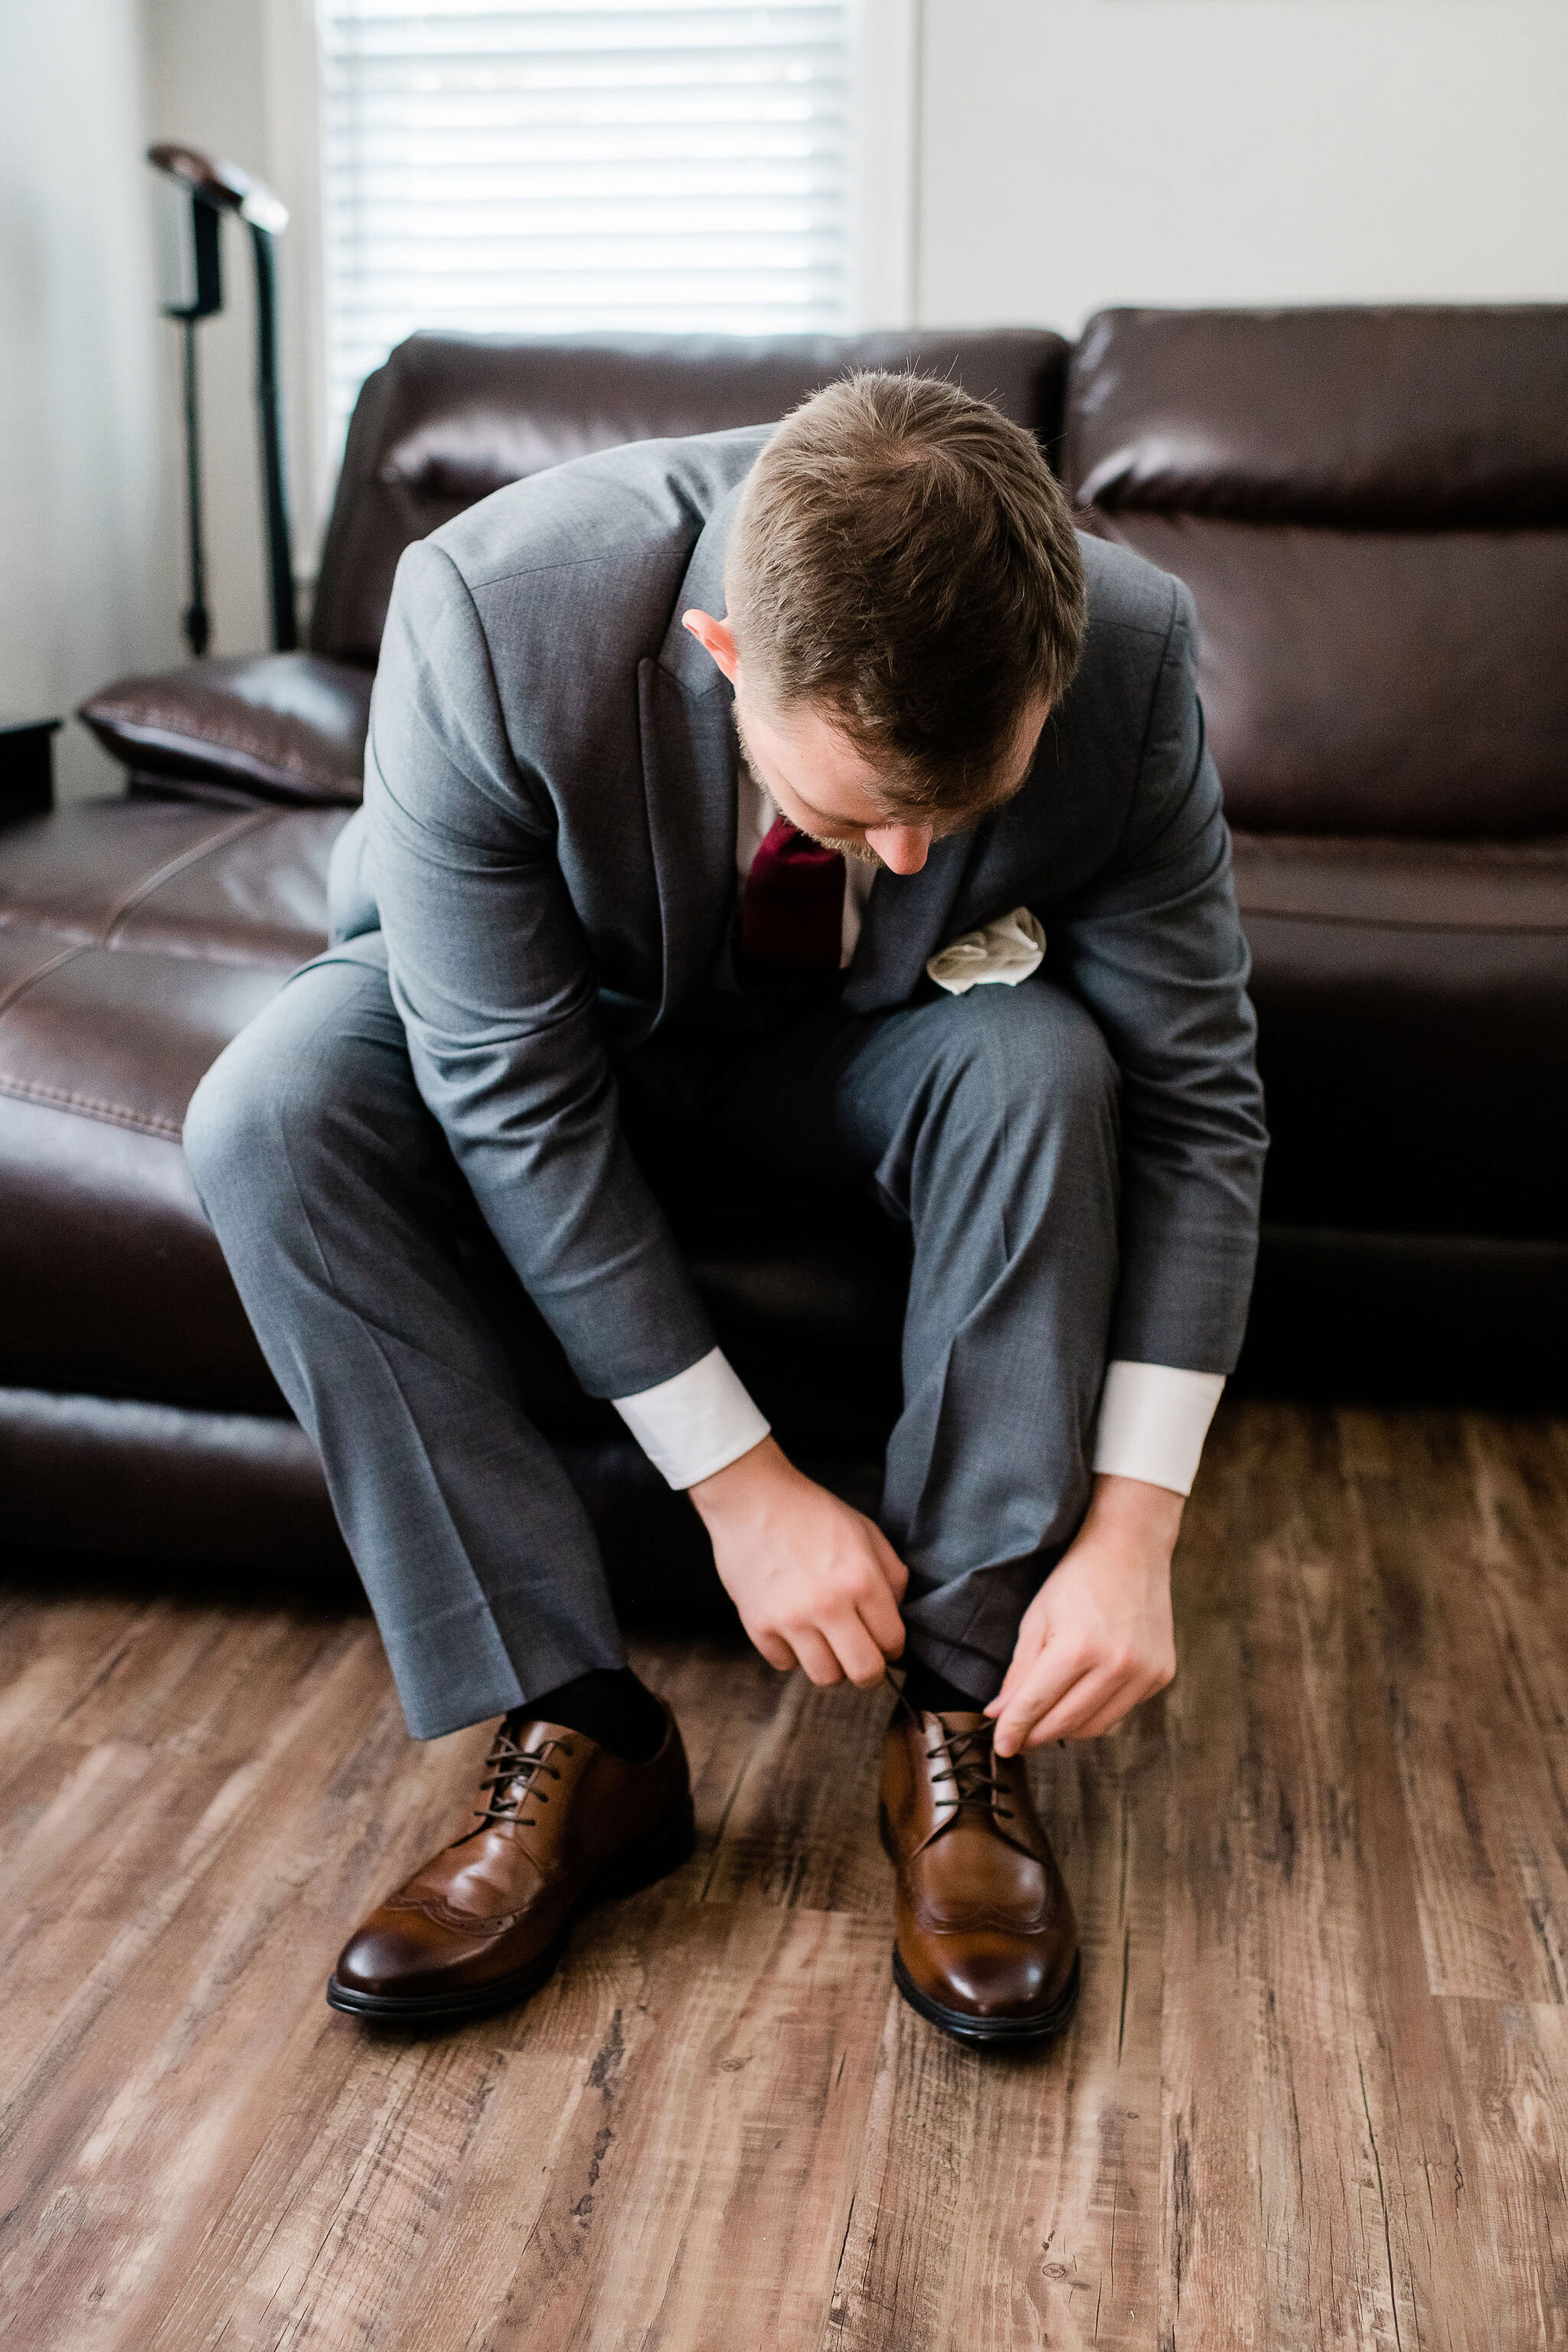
{"x":581,"y":164}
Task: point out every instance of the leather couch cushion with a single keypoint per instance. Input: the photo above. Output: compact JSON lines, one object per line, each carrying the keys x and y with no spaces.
{"x":136,"y":940}
{"x":450,"y":418}
{"x":244,"y":1494}
{"x":806,"y":1296}
{"x":281,"y":726}
{"x":1377,"y":682}
{"x":245,"y":888}
{"x":1407,"y":1318}
{"x":1371,"y":508}
{"x":227,"y":1490}
{"x":1413,"y":1016}
{"x":1419,"y":418}
{"x":813,"y":1321}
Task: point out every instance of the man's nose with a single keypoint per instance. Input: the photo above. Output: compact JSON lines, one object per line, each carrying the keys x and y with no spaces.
{"x":902,"y":848}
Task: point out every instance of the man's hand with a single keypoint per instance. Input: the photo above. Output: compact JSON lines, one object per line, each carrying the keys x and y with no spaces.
{"x":1098,"y":1637}
{"x":816,"y":1584}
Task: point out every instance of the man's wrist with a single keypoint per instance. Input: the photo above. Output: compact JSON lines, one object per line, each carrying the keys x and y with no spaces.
{"x":738,"y":1483}
{"x":1132,"y":1511}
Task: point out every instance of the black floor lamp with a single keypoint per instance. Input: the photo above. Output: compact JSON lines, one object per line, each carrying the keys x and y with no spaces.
{"x":197,"y":191}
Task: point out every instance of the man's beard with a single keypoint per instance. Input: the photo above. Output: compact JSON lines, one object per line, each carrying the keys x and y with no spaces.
{"x":860,"y":851}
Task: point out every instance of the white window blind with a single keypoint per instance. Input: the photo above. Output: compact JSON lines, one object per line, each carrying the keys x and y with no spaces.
{"x":588,"y":164}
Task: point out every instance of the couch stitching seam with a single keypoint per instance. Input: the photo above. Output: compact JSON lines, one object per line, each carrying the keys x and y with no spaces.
{"x":1401,"y":922}
{"x":28,"y":979}
{"x":115,"y":1114}
{"x":143,"y":890}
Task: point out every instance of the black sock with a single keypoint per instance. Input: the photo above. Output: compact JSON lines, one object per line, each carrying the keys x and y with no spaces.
{"x":929,"y":1693}
{"x":607,"y":1704}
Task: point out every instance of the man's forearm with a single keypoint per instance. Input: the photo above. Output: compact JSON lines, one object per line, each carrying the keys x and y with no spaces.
{"x":1134,"y":1513}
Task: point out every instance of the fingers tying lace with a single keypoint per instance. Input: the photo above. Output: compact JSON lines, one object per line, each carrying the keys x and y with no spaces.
{"x":970,"y":1768}
{"x":970,"y":1764}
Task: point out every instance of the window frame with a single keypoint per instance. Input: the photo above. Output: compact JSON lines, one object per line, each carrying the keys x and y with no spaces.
{"x":884,"y":220}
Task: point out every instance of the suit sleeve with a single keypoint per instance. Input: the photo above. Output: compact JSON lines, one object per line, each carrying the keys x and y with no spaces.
{"x":1154,"y":948}
{"x":494,"y":981}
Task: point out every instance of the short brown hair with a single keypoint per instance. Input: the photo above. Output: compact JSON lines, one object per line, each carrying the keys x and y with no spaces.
{"x":903,"y":556}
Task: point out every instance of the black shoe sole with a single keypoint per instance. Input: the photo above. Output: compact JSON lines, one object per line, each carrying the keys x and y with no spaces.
{"x":642,"y":1863}
{"x":991,"y":2032}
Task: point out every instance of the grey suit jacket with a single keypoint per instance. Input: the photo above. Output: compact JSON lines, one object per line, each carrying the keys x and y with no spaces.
{"x":547,"y":853}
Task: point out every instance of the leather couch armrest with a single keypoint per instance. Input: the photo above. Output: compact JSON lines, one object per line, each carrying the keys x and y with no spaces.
{"x":278,"y":727}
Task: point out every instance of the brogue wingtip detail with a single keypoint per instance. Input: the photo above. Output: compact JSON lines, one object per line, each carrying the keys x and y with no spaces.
{"x":482,"y":1923}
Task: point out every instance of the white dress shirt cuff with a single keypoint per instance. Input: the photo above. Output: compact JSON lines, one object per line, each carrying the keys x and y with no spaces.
{"x":1152,"y":1423}
{"x":700,"y":1422}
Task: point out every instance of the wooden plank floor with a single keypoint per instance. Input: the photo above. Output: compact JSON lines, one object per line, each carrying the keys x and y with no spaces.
{"x":1316,"y":2093}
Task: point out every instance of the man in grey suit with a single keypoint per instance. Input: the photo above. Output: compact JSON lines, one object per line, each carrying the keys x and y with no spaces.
{"x":810,"y":795}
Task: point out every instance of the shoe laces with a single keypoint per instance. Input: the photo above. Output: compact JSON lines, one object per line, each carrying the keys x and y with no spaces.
{"x":970,"y":1767}
{"x":513,"y":1775}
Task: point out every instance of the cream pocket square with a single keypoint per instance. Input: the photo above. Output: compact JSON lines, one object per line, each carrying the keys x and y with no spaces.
{"x":1008,"y":949}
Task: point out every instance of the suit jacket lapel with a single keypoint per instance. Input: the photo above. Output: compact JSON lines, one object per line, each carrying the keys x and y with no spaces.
{"x":690,"y":755}
{"x":907,"y":920}
{"x":689,"y":775}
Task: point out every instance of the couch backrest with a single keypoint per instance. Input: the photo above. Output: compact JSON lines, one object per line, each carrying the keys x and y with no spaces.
{"x":450,"y":418}
{"x":1370,"y":507}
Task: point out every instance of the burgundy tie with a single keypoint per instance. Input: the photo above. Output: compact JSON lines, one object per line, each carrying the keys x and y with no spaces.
{"x":792,"y":908}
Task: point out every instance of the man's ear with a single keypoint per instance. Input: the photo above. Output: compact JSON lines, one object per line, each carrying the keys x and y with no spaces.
{"x":715,"y":636}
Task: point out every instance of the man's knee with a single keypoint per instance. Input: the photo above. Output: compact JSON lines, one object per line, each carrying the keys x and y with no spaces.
{"x":265,"y":1115}
{"x":232,"y":1127}
{"x":1033,"y":1051}
{"x":311,"y":1101}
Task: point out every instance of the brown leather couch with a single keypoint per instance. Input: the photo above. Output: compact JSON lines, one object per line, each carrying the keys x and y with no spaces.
{"x":1371,"y":507}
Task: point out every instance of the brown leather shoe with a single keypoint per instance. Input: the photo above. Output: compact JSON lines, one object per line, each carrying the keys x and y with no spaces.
{"x":987,"y":1944}
{"x":560,"y":1822}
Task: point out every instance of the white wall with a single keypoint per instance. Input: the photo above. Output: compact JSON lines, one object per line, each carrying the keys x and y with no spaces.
{"x":85,"y":587}
{"x":1076,"y":154}
{"x":93,"y":566}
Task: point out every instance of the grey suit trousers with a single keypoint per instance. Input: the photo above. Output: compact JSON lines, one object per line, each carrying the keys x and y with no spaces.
{"x":988,"y":1121}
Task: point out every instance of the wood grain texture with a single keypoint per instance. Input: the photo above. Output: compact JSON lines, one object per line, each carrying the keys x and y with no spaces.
{"x":1315,"y":2095}
{"x":1295,"y":2109}
{"x":1474,"y":1622}
{"x":1514,"y":2065}
{"x":1015,"y":2200}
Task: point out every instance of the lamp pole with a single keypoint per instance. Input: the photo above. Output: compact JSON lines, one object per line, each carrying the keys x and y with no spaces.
{"x":279,"y":559}
{"x":200,"y":189}
{"x":197,"y":622}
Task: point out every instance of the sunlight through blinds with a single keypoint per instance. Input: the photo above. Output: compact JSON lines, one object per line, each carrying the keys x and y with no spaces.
{"x":594,"y":164}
